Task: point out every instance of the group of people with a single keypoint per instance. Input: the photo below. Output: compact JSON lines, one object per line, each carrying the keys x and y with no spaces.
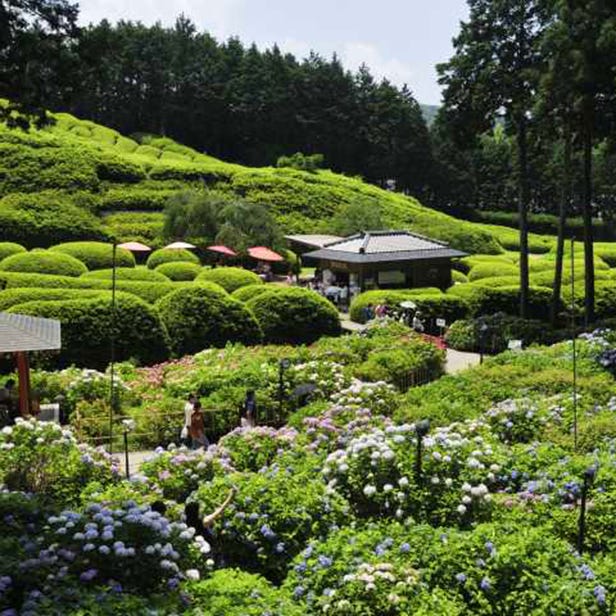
{"x":382,"y":311}
{"x":193,"y":430}
{"x":340,"y":293}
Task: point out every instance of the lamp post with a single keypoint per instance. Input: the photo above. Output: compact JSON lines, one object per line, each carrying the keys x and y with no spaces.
{"x":282,"y":366}
{"x":589,"y":475}
{"x":483,"y":330}
{"x":113,"y":400}
{"x":421,"y":429}
{"x":129,"y":426}
{"x":574,"y":344}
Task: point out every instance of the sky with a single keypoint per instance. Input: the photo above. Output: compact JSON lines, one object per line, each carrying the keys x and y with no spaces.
{"x":401,"y":40}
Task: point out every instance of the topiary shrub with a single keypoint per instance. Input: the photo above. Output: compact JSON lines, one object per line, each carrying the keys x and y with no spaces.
{"x":490,"y":270}
{"x":128,"y":273}
{"x":96,"y":255}
{"x":243,"y":294}
{"x":204,"y":316}
{"x":294,"y":315}
{"x":466,"y":264}
{"x":12,"y":297}
{"x":43,"y":262}
{"x":87,"y":326}
{"x":458,"y":277}
{"x":46,"y":218}
{"x":166,"y":255}
{"x":179,"y":270}
{"x":487,"y":300}
{"x":230,"y":278}
{"x":10,"y":248}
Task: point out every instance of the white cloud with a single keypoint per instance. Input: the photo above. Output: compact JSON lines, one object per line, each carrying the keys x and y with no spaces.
{"x":216,"y":16}
{"x":354,"y":54}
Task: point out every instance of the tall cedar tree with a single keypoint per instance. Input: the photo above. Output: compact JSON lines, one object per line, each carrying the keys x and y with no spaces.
{"x":495,"y":68}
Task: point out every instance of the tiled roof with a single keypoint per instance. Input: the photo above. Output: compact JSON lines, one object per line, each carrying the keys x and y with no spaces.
{"x":314,"y":240}
{"x":374,"y":246}
{"x":19,"y":332}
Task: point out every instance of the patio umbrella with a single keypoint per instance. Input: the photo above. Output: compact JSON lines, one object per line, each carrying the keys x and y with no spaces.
{"x":223,"y":250}
{"x":180,"y":245}
{"x":135,"y":247}
{"x":261,"y":253}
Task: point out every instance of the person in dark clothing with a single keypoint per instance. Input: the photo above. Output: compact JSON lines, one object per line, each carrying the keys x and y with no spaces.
{"x":248,"y":414}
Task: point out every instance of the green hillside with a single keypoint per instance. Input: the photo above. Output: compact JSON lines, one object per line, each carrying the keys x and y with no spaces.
{"x":79,"y":180}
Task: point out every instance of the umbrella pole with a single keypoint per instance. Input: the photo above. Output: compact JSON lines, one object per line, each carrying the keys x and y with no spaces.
{"x":23,"y":371}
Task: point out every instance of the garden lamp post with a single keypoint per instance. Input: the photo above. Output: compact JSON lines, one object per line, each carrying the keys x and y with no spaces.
{"x":589,"y":475}
{"x":282,"y":366}
{"x":421,"y":429}
{"x":128,"y":426}
{"x":62,"y":418}
{"x":483,"y":330}
{"x":113,"y":401}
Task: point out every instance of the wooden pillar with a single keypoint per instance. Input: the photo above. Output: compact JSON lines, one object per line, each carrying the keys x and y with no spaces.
{"x":23,"y":371}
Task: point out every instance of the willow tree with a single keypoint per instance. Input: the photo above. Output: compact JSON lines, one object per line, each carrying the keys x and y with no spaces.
{"x":494,"y":72}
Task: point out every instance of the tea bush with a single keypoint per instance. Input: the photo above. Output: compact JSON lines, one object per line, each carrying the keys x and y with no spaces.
{"x":96,"y":255}
{"x":142,"y":274}
{"x":43,"y":262}
{"x":294,"y":315}
{"x":179,"y":270}
{"x":205,"y":316}
{"x":10,"y":248}
{"x":164,"y":255}
{"x":243,"y":294}
{"x":230,"y":278}
{"x":87,"y":326}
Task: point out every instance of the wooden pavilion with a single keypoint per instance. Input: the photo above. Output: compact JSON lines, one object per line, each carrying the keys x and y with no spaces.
{"x":386,"y":260}
{"x":20,"y":334}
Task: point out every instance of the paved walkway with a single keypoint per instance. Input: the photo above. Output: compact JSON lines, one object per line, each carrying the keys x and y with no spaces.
{"x":459,"y":360}
{"x":135,"y":460}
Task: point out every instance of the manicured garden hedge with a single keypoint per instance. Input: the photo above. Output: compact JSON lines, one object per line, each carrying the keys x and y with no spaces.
{"x":96,"y":255}
{"x":294,"y":315}
{"x":148,"y":291}
{"x":10,"y":248}
{"x":87,"y":325}
{"x":486,"y":300}
{"x":46,"y":218}
{"x":252,"y":290}
{"x":490,"y":270}
{"x":430,"y":302}
{"x":230,"y":278}
{"x":12,"y":297}
{"x":164,"y":255}
{"x":179,"y":270}
{"x":465,"y":264}
{"x":202,"y":316}
{"x":43,"y":262}
{"x":128,"y":273}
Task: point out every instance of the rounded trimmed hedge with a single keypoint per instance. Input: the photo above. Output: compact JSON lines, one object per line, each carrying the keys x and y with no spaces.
{"x":87,"y":325}
{"x":229,"y":278}
{"x":243,"y":294}
{"x":466,"y":264}
{"x":166,"y":255}
{"x":492,"y":270}
{"x":204,"y":315}
{"x":96,"y":255}
{"x":10,"y":248}
{"x":179,"y":270}
{"x":12,"y":297}
{"x":294,"y":315}
{"x":459,"y":277}
{"x":43,"y":262}
{"x":128,"y":273}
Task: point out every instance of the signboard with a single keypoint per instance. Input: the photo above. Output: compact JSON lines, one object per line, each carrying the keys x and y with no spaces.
{"x":514,"y":345}
{"x":441,"y":323}
{"x":392,"y":277}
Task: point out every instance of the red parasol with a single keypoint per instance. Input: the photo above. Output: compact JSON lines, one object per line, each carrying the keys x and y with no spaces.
{"x":223,"y":250}
{"x":262,"y":253}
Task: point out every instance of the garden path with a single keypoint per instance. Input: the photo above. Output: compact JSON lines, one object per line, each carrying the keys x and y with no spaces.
{"x":459,"y":360}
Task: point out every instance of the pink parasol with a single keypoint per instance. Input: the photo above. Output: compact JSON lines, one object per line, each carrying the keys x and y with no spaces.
{"x":262,"y":253}
{"x":223,"y":250}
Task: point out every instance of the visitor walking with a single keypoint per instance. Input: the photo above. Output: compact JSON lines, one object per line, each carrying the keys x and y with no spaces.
{"x":188,"y":410}
{"x":248,"y":414}
{"x":197,"y":427}
{"x":418,"y":325}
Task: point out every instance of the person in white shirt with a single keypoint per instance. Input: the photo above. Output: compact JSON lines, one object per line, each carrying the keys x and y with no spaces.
{"x":189,"y":407}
